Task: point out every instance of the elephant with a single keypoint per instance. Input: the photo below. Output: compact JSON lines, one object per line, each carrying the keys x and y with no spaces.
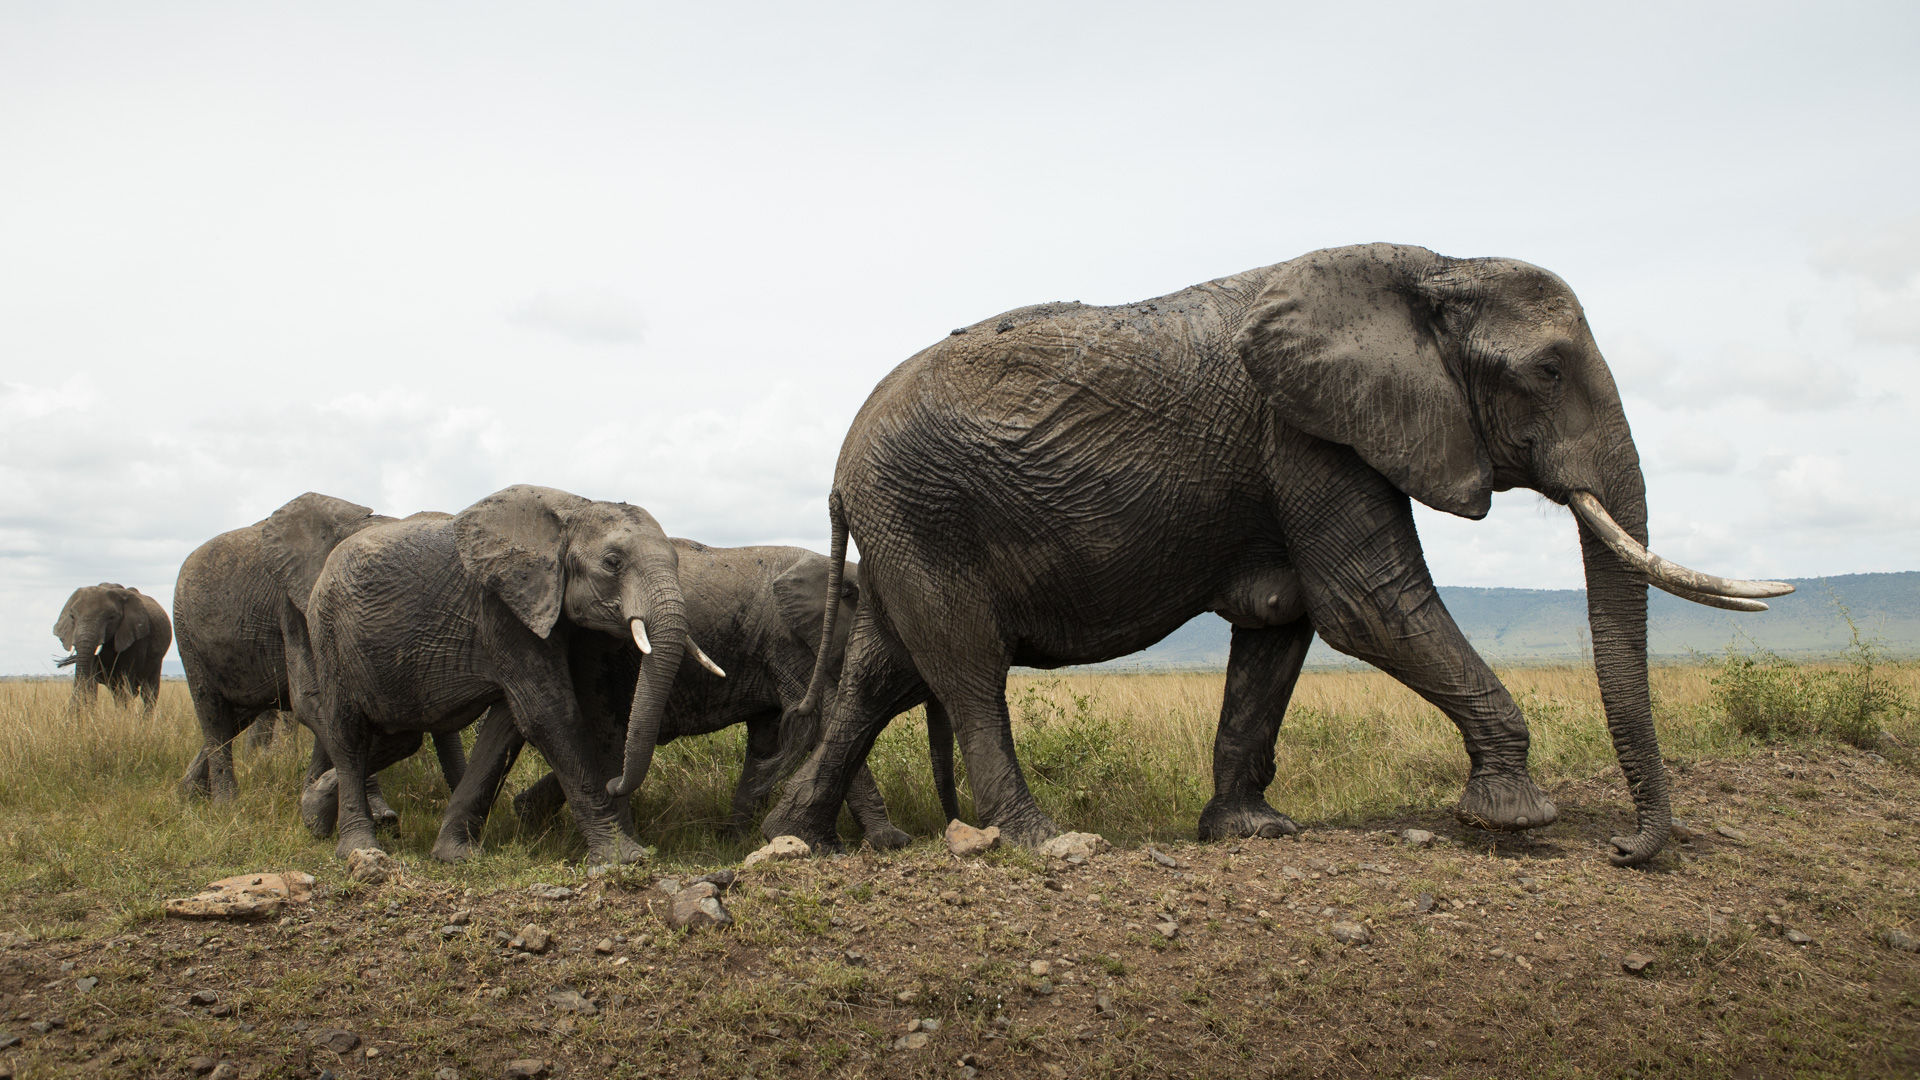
{"x":240,"y":609}
{"x":759,"y":611}
{"x":419,"y":626}
{"x":116,"y":637}
{"x":1065,"y":484}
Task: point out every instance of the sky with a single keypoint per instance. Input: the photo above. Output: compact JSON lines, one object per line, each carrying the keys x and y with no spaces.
{"x":410,"y":254}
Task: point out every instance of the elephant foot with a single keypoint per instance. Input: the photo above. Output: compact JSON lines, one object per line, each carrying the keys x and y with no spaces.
{"x":540,"y":802}
{"x":455,"y":848}
{"x":884,"y":837}
{"x":385,"y":818}
{"x":353,"y":839}
{"x":320,"y":805}
{"x":1238,"y":819}
{"x":620,"y":851}
{"x":1027,"y":830}
{"x":1504,"y":802}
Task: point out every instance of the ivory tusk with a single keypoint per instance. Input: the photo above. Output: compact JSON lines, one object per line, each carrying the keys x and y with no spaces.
{"x":640,"y":635}
{"x":705,"y":660}
{"x":1710,"y":600}
{"x":1671,"y":576}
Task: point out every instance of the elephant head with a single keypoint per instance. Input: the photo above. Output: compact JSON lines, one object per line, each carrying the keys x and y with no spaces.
{"x":96,"y":615}
{"x":800,"y":593}
{"x":1456,"y":378}
{"x":604,"y":566}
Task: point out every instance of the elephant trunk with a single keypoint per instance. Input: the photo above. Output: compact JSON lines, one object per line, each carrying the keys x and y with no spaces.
{"x":665,"y":622}
{"x":86,"y":666}
{"x":1617,"y":614}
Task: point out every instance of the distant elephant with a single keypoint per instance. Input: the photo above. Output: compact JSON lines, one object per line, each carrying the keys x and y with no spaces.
{"x":419,"y":626}
{"x":1064,"y":484}
{"x":759,"y":611}
{"x":240,"y":609}
{"x":116,"y":637}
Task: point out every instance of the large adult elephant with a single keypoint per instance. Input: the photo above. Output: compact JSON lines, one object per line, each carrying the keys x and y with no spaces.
{"x":239,"y":608}
{"x":419,"y":626}
{"x":116,"y":637}
{"x":1065,"y":484}
{"x":759,"y":611}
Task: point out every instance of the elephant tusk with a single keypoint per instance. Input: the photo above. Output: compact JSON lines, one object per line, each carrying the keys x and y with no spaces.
{"x":1662,"y":573}
{"x":640,"y":635}
{"x":705,"y":660}
{"x":1708,"y":599}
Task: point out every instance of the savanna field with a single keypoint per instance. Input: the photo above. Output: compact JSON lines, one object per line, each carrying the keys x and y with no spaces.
{"x":1768,"y":944}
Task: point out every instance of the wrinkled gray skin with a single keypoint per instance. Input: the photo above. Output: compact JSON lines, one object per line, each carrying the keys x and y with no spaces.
{"x":239,"y":610}
{"x":420,"y":626}
{"x":1065,"y":484}
{"x":758,"y":613}
{"x":115,"y":637}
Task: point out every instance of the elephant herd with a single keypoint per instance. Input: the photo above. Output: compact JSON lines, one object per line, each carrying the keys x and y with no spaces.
{"x":1059,"y":484}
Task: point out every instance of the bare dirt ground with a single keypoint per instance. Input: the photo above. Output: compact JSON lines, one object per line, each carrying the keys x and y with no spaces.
{"x":1766,"y":936}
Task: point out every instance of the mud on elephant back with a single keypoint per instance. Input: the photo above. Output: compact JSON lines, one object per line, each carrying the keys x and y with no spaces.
{"x":1065,"y":484}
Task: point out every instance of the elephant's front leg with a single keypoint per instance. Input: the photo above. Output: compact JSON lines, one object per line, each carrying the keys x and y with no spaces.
{"x":494,"y":753}
{"x":1262,"y":668}
{"x":557,"y":729}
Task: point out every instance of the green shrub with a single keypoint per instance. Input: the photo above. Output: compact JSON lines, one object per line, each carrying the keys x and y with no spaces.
{"x":1767,"y":696}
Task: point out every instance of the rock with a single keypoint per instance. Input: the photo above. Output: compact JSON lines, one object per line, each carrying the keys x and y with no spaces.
{"x":1899,"y":939}
{"x":698,"y":905}
{"x":1067,"y":845}
{"x":540,"y":890}
{"x":8,"y":1039}
{"x":668,"y":885}
{"x":1352,"y":933}
{"x":1168,"y":929}
{"x":1732,"y":833}
{"x":719,"y":879}
{"x":460,"y":918}
{"x":1795,"y":937}
{"x":1103,"y":1007}
{"x":604,"y":946}
{"x":338,"y":1040}
{"x":532,"y":938}
{"x":1292,"y":873}
{"x":452,"y":931}
{"x":446,"y":1072}
{"x":371,"y":866}
{"x":1424,"y":904}
{"x":1635,"y":963}
{"x":913,"y":1040}
{"x":964,"y":840}
{"x":855,"y":959}
{"x":1417,"y":838}
{"x":1680,"y":832}
{"x":203,"y":997}
{"x":86,"y":985}
{"x":521,"y":1067}
{"x":1530,"y":885}
{"x":247,"y":896}
{"x":225,"y":1008}
{"x":201,"y":1066}
{"x":1040,"y":969}
{"x":572,"y":1001}
{"x":226,"y":1070}
{"x":780,"y":847}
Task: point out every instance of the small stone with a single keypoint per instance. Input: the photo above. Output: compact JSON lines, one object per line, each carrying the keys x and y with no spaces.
{"x":572,"y":1001}
{"x":855,"y":959}
{"x":604,"y":946}
{"x":1352,"y":933}
{"x":1732,"y":833}
{"x":964,"y":840}
{"x":225,"y":1008}
{"x":371,"y":866}
{"x":1424,"y":904}
{"x":929,"y":1024}
{"x":8,"y":1039}
{"x":1417,"y":838}
{"x":540,"y":890}
{"x":1040,"y":969}
{"x":86,"y":985}
{"x":452,"y":931}
{"x":907,"y":997}
{"x":1103,"y":1005}
{"x":338,"y":1040}
{"x":1899,"y":939}
{"x":1795,"y":937}
{"x":1681,"y":832}
{"x":668,"y":885}
{"x":1635,"y":963}
{"x":779,"y":848}
{"x":697,"y":906}
{"x":446,"y":1072}
{"x":1163,"y":858}
{"x":1071,"y":844}
{"x":521,"y":1067}
{"x":1531,"y":885}
{"x":1292,"y":873}
{"x":533,"y":938}
{"x":913,"y":1040}
{"x":460,"y":918}
{"x":201,"y":1066}
{"x":719,"y":879}
{"x":203,"y":997}
{"x":226,"y":1070}
{"x":1168,"y":929}
{"x":372,"y":1052}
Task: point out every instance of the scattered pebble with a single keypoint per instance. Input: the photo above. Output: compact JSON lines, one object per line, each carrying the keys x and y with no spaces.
{"x":1635,"y":963}
{"x":1681,"y":832}
{"x":1163,"y":858}
{"x":965,"y":840}
{"x":1417,"y":838}
{"x":1424,"y":904}
{"x":572,"y":1001}
{"x":1732,"y":833}
{"x":201,"y":1066}
{"x":1795,"y":937}
{"x":1040,"y":969}
{"x":780,"y":847}
{"x":522,"y":1067}
{"x":698,"y":905}
{"x":338,"y":1040}
{"x":86,"y":985}
{"x":1352,"y":933}
{"x":604,"y":946}
{"x":1071,"y":844}
{"x":446,"y":1072}
{"x":226,"y":1070}
{"x":1900,"y":939}
{"x":371,"y":866}
{"x":540,"y":890}
{"x":203,"y":997}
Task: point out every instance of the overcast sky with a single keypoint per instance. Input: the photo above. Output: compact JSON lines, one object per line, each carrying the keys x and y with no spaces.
{"x":408,"y":254}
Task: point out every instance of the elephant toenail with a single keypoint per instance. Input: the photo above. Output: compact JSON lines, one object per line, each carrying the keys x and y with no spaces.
{"x":1520,"y":821}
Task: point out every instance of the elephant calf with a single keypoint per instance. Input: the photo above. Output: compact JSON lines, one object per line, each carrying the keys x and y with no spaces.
{"x":116,"y":637}
{"x":759,"y":610}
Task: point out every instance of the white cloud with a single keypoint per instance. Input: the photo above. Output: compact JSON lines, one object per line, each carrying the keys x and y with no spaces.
{"x":592,"y":316}
{"x":1783,"y":381}
{"x":1882,"y":263}
{"x":1692,"y":450}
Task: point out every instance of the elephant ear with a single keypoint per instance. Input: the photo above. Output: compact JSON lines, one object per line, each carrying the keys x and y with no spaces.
{"x":800,"y":593}
{"x":299,"y":536}
{"x":514,"y":542}
{"x":135,"y":623}
{"x":1345,"y":345}
{"x":64,"y":626}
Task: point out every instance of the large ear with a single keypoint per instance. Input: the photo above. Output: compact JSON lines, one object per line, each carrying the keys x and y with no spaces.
{"x":64,"y":626}
{"x":801,"y":595}
{"x":135,"y":623}
{"x":1344,"y":345}
{"x":300,"y":535}
{"x":514,"y":541}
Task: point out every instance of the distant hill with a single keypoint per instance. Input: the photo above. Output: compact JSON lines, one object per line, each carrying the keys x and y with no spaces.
{"x":1550,"y":625}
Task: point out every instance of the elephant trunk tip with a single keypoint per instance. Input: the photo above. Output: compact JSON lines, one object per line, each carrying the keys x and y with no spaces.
{"x":1641,"y":846}
{"x":66,"y":661}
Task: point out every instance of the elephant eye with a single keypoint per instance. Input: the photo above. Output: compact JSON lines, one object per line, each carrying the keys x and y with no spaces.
{"x":1551,"y":369}
{"x":611,"y":561}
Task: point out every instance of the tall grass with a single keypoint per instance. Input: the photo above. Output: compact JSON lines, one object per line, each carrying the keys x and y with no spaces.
{"x":88,"y":802}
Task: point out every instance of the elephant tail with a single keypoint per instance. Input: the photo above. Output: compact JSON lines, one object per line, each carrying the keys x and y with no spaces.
{"x":836,"y":574}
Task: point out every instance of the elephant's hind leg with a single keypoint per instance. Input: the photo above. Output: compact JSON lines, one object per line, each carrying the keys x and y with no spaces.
{"x":494,"y":753}
{"x":973,"y":692}
{"x":1262,"y":668}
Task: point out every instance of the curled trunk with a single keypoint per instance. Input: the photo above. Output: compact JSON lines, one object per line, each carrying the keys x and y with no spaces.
{"x":1617,"y":614}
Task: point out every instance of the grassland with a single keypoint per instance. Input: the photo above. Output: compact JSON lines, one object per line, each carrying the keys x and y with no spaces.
{"x":831,"y":957}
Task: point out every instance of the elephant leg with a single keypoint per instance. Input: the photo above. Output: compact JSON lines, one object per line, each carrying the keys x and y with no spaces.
{"x":757,"y":772}
{"x":211,"y":773}
{"x":976,"y":698}
{"x":539,"y":801}
{"x":453,"y":757}
{"x":940,"y":756}
{"x":350,"y":744}
{"x":878,"y":682}
{"x":870,"y":810}
{"x":1262,"y":667}
{"x":260,"y":733}
{"x":494,"y":752}
{"x":556,"y":727}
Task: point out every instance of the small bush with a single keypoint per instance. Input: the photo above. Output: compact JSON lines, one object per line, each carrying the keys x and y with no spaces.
{"x":1767,"y":696}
